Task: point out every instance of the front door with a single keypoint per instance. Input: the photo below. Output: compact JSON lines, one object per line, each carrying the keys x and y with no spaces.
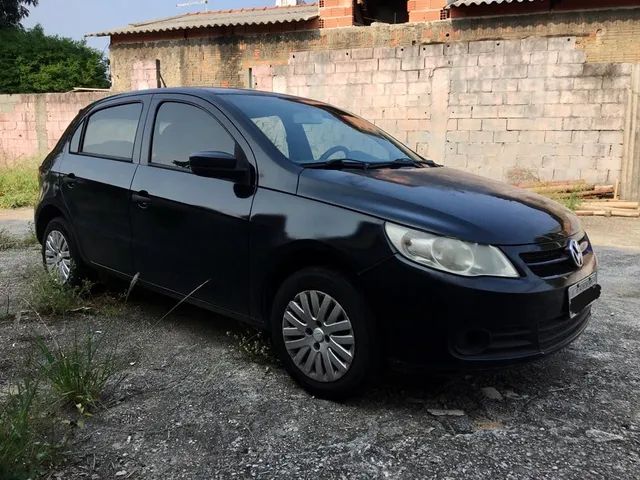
{"x":96,"y":175}
{"x":190,"y":230}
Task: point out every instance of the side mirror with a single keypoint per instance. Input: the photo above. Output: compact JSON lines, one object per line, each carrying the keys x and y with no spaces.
{"x":216,"y":165}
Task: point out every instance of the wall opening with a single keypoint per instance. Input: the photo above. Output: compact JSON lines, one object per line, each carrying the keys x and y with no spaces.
{"x":384,"y":11}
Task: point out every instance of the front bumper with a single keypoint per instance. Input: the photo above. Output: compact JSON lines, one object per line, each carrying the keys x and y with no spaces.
{"x":444,"y":321}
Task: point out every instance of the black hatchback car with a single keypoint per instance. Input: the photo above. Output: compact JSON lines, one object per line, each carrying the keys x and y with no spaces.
{"x":310,"y":222}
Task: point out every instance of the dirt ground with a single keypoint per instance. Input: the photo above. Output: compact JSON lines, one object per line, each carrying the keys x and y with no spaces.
{"x":194,"y":406}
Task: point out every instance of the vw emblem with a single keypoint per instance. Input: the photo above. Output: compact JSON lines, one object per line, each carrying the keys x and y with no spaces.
{"x":576,"y":253}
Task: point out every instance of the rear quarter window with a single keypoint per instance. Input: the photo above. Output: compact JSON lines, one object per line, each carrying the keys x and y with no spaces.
{"x":111,"y":132}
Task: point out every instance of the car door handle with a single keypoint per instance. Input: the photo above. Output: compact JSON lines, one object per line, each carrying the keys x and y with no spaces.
{"x":69,"y":180}
{"x":142,"y":199}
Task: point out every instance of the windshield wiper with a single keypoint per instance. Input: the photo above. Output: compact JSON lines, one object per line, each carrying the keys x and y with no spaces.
{"x":354,"y":163}
{"x":404,"y":162}
{"x":338,"y":164}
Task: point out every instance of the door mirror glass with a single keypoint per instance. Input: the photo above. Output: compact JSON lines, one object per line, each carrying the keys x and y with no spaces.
{"x":215,"y":165}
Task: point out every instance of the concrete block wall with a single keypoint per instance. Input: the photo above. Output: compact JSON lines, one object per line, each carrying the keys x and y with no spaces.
{"x":31,"y":125}
{"x":507,"y":109}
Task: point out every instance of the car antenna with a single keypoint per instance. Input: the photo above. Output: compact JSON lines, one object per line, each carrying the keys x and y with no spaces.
{"x":194,"y":2}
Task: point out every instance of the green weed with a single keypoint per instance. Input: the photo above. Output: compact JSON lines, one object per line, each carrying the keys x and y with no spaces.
{"x":9,"y":242}
{"x":26,"y":433}
{"x":570,"y":200}
{"x":80,"y":372}
{"x":255,"y":344}
{"x":19,"y":185}
{"x":47,"y":296}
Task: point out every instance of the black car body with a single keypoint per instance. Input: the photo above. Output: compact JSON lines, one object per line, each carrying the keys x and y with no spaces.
{"x":233,"y":223}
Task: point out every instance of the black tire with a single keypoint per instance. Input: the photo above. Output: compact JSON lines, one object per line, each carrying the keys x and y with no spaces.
{"x":366,"y":355}
{"x":78,"y":271}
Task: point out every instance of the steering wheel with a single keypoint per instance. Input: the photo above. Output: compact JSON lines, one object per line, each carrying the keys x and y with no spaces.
{"x":332,"y":151}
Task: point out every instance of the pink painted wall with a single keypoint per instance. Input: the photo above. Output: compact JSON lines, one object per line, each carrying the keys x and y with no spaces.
{"x":30,"y":125}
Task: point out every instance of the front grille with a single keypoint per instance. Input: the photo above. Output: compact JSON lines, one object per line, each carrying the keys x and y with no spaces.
{"x":555,"y":262}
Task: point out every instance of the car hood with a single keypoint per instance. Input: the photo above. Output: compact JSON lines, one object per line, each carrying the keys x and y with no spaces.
{"x":444,"y":201}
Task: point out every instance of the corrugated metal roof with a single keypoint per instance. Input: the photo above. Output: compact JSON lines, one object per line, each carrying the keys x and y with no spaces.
{"x":219,"y":18}
{"x":467,"y":3}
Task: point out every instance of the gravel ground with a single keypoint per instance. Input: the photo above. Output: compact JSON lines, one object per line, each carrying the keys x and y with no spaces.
{"x":17,"y":222}
{"x":195,"y":406}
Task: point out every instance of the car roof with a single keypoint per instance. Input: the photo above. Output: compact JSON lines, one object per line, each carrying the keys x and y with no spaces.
{"x":197,"y":91}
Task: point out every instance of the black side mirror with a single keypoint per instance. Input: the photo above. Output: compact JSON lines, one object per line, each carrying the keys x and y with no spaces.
{"x":217,"y":165}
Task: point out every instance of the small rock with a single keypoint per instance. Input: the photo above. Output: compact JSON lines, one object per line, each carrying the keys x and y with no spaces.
{"x":513,"y":395}
{"x":121,"y":473}
{"x":445,"y":413}
{"x":492,"y":393}
{"x":599,"y":436}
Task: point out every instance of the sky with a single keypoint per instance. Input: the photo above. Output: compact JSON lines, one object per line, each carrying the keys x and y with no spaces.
{"x":75,"y":18}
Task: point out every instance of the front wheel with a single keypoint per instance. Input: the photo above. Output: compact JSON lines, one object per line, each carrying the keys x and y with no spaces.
{"x":324,"y":333}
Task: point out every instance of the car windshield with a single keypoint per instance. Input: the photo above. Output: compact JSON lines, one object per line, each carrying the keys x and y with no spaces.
{"x":311,"y":133}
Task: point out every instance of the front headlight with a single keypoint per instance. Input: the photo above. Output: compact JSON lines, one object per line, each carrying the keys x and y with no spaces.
{"x":449,"y":254}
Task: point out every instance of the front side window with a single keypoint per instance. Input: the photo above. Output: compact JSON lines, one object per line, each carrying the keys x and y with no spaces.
{"x":308,"y":132}
{"x":181,"y":130}
{"x":111,"y":132}
{"x":274,"y":130}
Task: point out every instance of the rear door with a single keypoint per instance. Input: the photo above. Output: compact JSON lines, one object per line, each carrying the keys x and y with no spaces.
{"x":190,"y":230}
{"x":96,"y":177}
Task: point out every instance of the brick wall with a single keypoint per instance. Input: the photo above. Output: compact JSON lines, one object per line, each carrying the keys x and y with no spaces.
{"x":425,"y":10}
{"x":223,"y":58}
{"x":30,"y":125}
{"x":500,"y":108}
{"x":336,"y":13}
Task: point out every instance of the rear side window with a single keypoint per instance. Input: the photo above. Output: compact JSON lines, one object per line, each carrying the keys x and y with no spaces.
{"x":182,"y":130}
{"x":111,"y":132}
{"x":75,"y":140}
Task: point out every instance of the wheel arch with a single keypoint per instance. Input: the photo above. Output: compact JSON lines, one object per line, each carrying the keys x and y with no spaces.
{"x":45,"y":215}
{"x":296,"y":257}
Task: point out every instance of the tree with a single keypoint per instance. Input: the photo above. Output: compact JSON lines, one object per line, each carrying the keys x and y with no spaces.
{"x":13,"y":11}
{"x":32,"y":62}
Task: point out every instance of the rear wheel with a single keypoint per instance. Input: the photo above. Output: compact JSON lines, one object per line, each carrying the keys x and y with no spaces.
{"x":324,"y":333}
{"x":60,"y":255}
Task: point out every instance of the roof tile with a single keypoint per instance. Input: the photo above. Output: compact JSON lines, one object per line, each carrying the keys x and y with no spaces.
{"x":467,"y":3}
{"x":219,"y":18}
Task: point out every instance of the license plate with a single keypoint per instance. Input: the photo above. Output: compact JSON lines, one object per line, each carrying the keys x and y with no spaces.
{"x":583,"y":294}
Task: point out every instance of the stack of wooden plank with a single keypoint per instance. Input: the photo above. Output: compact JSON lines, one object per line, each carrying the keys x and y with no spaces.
{"x":589,"y":199}
{"x":577,"y":188}
{"x":608,"y":208}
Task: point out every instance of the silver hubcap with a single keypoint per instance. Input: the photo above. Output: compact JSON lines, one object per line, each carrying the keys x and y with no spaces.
{"x":57,"y":256}
{"x":318,"y":336}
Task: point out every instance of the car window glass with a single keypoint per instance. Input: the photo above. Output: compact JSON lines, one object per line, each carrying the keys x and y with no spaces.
{"x":274,"y":130}
{"x":330,"y":133}
{"x":312,"y":131}
{"x":181,"y":130}
{"x":75,"y":140}
{"x":111,"y":132}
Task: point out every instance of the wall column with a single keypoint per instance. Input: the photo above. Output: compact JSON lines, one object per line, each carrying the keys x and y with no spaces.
{"x":630,"y":184}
